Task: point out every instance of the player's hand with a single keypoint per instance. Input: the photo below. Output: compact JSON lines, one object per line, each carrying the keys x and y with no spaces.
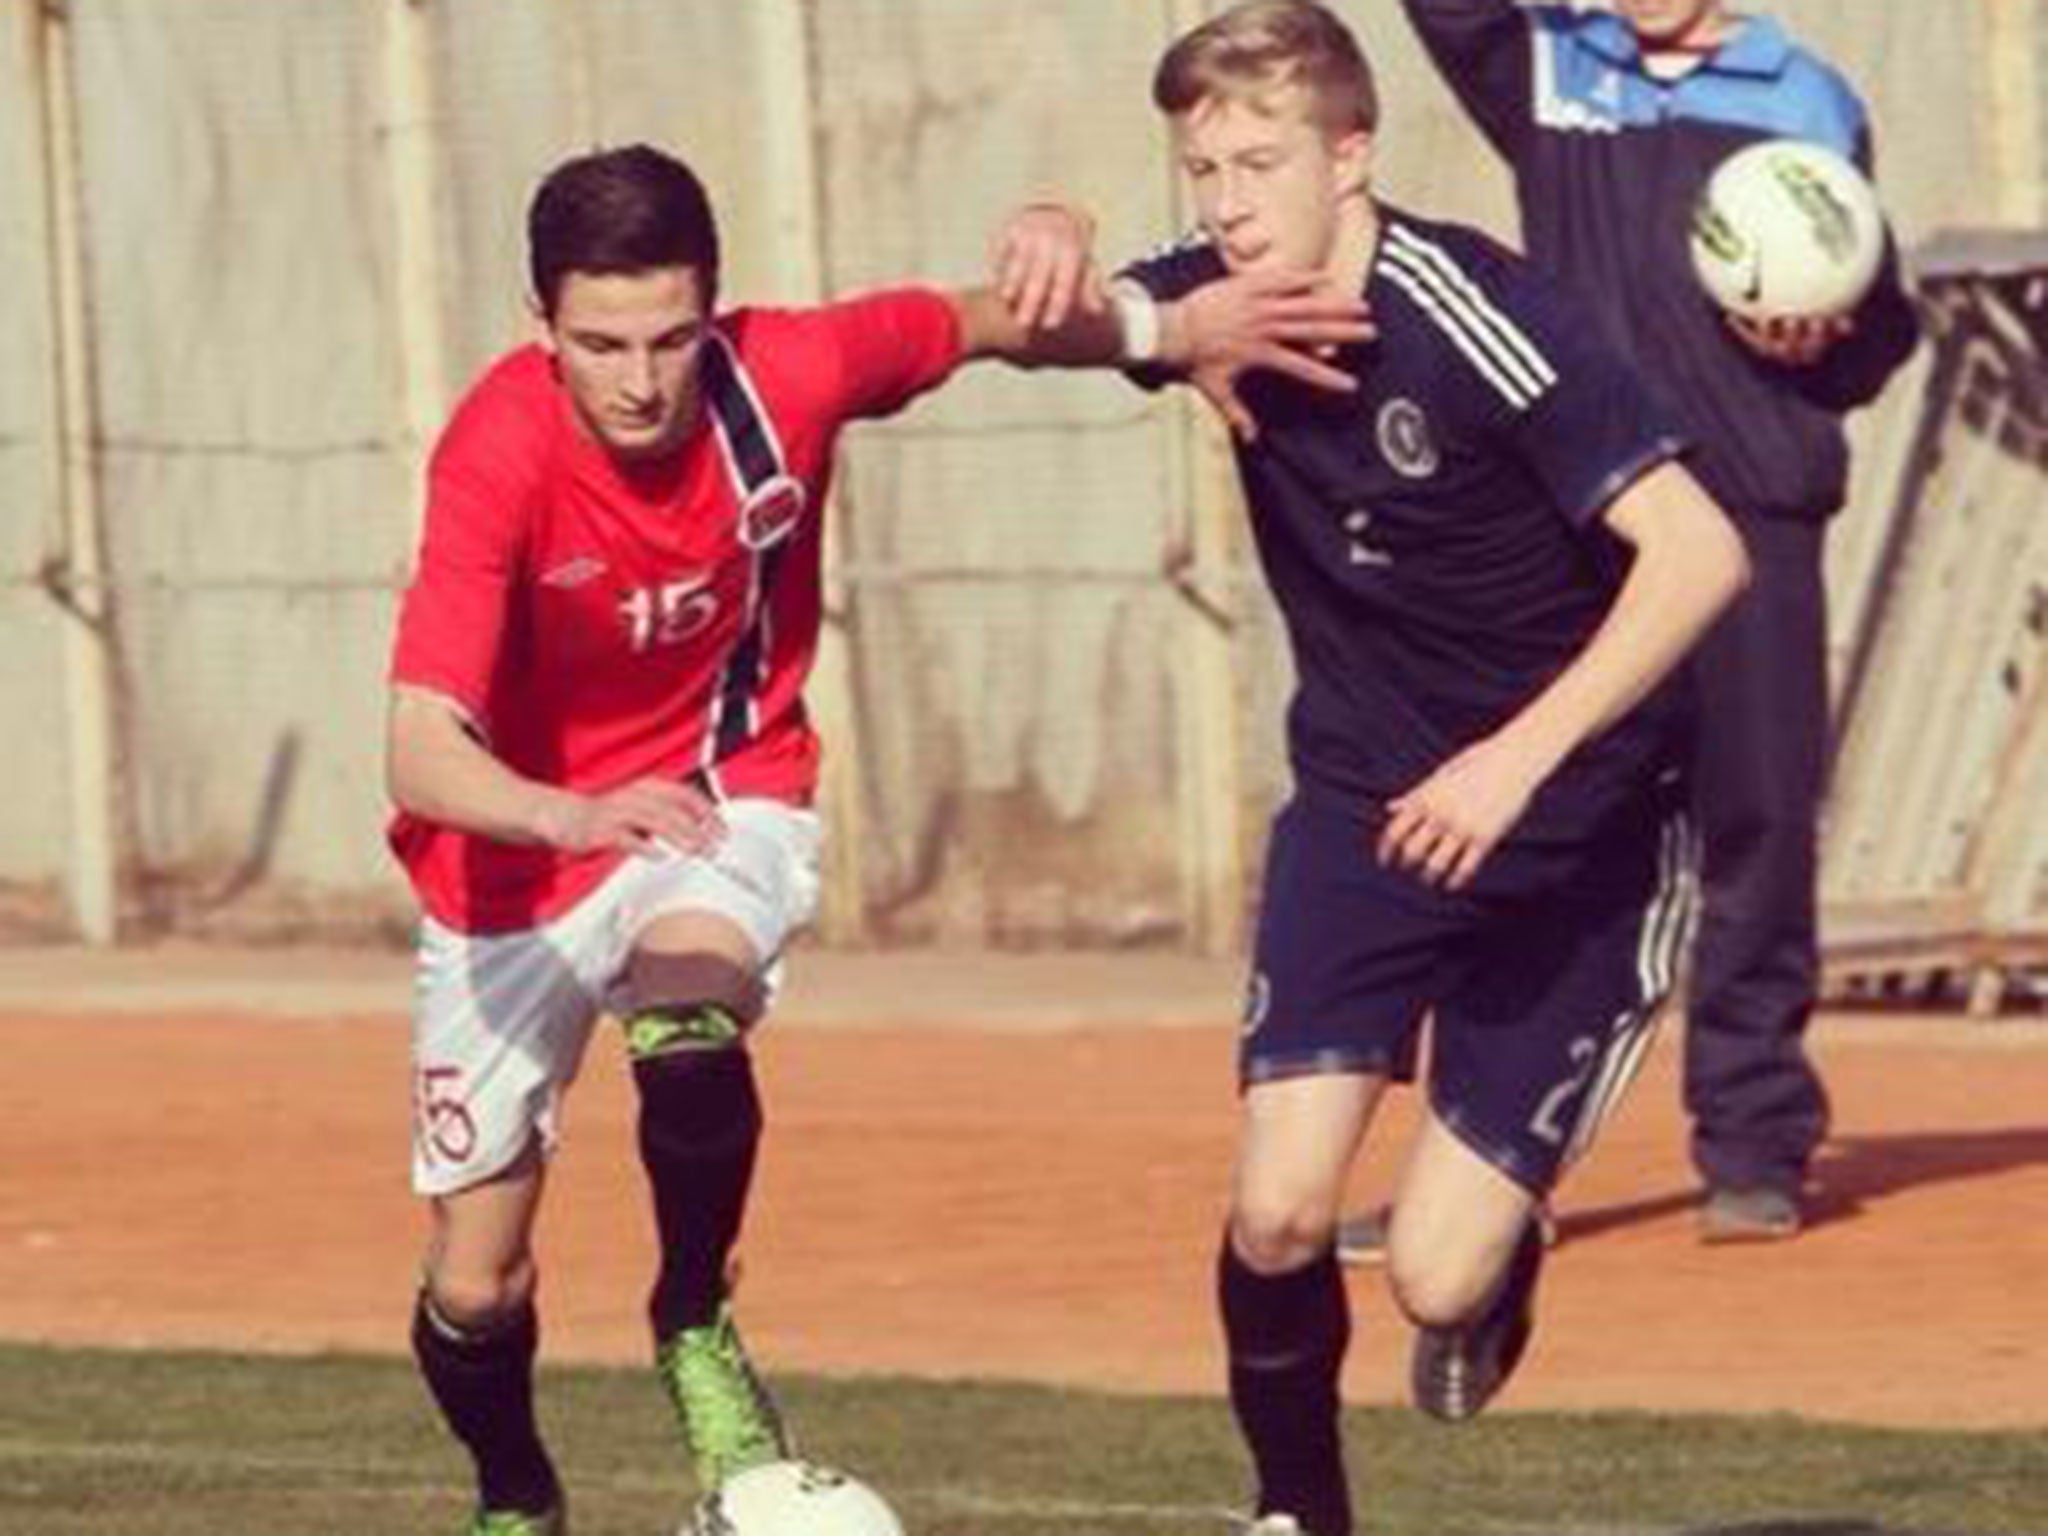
{"x":644,"y":816}
{"x":1445,"y":827}
{"x":1289,"y":322}
{"x":1044,"y":265}
{"x":1791,"y":340}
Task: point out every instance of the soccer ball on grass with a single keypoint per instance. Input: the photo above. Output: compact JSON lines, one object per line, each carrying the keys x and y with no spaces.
{"x":792,"y":1498}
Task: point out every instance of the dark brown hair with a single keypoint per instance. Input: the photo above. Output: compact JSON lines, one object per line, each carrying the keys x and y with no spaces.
{"x":619,"y":210}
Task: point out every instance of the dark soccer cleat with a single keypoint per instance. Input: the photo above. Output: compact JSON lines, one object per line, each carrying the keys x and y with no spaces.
{"x":1455,"y":1372}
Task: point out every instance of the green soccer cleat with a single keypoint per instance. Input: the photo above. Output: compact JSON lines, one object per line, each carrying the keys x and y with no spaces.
{"x":729,"y":1421}
{"x":512,"y":1522}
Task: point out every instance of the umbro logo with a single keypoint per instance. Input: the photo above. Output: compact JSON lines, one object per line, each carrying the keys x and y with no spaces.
{"x":573,"y":573}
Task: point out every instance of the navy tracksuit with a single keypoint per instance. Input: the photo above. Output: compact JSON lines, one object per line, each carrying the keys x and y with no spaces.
{"x":1608,"y":161}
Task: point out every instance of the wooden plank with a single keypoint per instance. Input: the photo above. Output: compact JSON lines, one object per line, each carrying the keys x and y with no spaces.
{"x":409,"y":133}
{"x":576,"y":66}
{"x":785,"y":35}
{"x":1874,"y":942}
{"x":2017,"y":131}
{"x":79,"y":580}
{"x":2009,"y":842}
{"x":1210,"y":735}
{"x":1210,"y":745}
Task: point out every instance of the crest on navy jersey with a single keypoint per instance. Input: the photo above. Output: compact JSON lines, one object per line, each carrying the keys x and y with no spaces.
{"x":1405,"y":440}
{"x":771,"y":512}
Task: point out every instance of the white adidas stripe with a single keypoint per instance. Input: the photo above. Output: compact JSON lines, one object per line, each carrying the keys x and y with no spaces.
{"x":1488,"y":315}
{"x":1552,"y":108}
{"x":1431,"y":303}
{"x":1667,"y":929}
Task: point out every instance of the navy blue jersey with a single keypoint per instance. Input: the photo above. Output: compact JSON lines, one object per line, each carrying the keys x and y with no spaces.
{"x":1435,"y":540}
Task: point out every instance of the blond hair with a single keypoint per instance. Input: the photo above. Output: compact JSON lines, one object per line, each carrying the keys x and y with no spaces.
{"x":1261,"y":46}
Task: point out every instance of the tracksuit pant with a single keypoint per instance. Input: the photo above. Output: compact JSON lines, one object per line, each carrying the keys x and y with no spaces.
{"x":1759,"y":766}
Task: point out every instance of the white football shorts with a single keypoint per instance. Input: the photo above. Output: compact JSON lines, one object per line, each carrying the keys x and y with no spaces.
{"x":501,"y":1020}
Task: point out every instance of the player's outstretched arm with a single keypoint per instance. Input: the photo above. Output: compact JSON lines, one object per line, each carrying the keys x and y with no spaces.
{"x":1043,"y":262}
{"x":1048,"y":307}
{"x":1276,"y":320}
{"x":1689,"y":565}
{"x":436,"y":769}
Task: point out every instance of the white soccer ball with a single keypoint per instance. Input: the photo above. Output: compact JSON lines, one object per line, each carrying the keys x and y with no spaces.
{"x":1787,"y":229}
{"x":792,"y":1498}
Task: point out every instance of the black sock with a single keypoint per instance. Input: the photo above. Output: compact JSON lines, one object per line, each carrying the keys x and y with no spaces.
{"x":483,"y":1382}
{"x":700,"y":1126}
{"x":1287,"y":1335}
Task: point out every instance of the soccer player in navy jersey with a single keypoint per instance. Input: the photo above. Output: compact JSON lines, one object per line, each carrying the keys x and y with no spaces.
{"x":601,"y":760}
{"x":1489,"y":556}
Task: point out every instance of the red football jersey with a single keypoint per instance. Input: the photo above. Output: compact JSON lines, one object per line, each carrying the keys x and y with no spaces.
{"x":601,"y":623}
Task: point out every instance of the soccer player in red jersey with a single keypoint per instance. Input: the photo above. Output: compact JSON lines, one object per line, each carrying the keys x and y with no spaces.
{"x":600,"y":755}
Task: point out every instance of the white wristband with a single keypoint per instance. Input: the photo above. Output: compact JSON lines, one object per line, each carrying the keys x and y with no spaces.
{"x":1137,"y":319}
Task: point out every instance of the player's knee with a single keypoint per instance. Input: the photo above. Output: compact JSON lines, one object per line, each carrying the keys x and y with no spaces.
{"x":675,"y":984}
{"x":479,"y":1297}
{"x":1277,"y":1234}
{"x":1437,"y":1289}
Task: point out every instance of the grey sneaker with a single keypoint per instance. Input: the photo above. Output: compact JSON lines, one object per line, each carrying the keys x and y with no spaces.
{"x":1455,"y":1372}
{"x":1760,"y":1215}
{"x":1273,"y":1525}
{"x":1362,"y":1239}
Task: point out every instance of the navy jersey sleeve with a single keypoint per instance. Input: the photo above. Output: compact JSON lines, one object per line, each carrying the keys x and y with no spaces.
{"x":1482,"y":48}
{"x":1176,"y":271}
{"x":1583,"y":421}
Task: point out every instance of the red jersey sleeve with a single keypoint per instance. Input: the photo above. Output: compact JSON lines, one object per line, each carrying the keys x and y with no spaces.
{"x":482,"y":483}
{"x":892,"y":345}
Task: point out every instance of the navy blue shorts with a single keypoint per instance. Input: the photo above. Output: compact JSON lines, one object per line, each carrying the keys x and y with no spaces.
{"x":1543,"y":977}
